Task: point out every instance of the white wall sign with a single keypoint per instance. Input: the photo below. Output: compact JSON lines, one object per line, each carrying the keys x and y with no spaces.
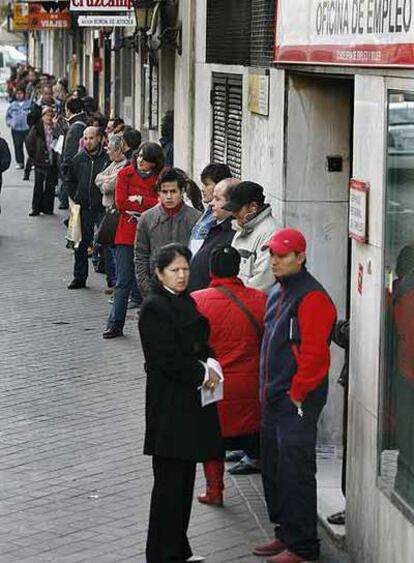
{"x":358,"y":210}
{"x":259,"y":93}
{"x":345,"y":32}
{"x":106,"y":21}
{"x":114,"y":6}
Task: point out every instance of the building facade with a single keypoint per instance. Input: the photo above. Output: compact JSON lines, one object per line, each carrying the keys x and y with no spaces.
{"x":302,"y":107}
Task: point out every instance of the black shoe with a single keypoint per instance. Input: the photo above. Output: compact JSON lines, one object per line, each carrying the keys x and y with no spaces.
{"x":338,"y":519}
{"x":112,"y":332}
{"x":77,"y":284}
{"x":34,"y":213}
{"x":27,"y":178}
{"x":62,"y":205}
{"x":243,"y":468}
{"x":235,"y":455}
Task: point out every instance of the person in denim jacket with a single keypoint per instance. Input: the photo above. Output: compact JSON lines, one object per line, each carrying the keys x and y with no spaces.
{"x":16,"y":119}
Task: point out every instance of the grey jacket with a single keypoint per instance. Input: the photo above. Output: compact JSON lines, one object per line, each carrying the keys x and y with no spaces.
{"x":155,"y":229}
{"x":249,"y":241}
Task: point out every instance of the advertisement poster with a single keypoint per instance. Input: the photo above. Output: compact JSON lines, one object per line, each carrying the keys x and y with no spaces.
{"x":40,"y":19}
{"x":345,"y":32}
{"x":19,"y":17}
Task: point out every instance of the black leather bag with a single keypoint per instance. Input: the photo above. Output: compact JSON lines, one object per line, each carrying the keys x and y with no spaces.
{"x":107,"y":229}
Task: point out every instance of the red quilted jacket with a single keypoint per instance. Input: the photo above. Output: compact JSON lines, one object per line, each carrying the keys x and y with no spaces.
{"x":237,"y":348}
{"x":128,"y":183}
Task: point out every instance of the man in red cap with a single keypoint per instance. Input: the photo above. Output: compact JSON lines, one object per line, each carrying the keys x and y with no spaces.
{"x":295,"y":361}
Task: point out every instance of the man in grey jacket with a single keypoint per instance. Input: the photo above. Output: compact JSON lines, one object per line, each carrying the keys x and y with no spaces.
{"x":255,"y":225}
{"x":171,"y":220}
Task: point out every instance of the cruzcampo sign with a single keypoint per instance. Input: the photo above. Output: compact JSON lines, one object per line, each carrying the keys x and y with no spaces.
{"x":114,"y":6}
{"x":345,"y":32}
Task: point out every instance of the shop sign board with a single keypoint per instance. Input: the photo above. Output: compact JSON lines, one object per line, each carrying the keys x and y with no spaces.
{"x":114,"y":6}
{"x":345,"y":32}
{"x":106,"y":21}
{"x":40,"y":19}
{"x":358,"y":210}
{"x":19,"y":16}
{"x":259,"y":93}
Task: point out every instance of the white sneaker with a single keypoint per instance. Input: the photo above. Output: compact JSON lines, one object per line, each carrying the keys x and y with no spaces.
{"x":196,"y":558}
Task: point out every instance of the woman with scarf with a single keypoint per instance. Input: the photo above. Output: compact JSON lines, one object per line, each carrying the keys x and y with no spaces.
{"x":134,"y":193}
{"x":39,"y":145}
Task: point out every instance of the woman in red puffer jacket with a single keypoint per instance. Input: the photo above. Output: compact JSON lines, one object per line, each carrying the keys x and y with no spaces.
{"x":236,"y":342}
{"x":134,"y":193}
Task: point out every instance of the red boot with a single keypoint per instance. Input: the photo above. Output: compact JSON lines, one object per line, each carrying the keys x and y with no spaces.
{"x":213,"y":471}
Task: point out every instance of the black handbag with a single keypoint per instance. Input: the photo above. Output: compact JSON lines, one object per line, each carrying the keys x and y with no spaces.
{"x":107,"y":229}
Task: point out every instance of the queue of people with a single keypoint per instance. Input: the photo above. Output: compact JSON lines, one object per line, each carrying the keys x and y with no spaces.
{"x":235,"y":331}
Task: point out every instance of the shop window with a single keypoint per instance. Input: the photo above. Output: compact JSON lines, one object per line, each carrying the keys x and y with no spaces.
{"x":396,"y":462}
{"x":227,"y":110}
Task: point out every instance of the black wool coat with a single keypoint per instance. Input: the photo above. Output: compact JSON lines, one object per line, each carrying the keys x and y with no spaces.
{"x":174,"y":338}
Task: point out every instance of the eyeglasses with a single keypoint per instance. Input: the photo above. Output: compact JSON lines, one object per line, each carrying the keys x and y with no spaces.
{"x":176,"y":271}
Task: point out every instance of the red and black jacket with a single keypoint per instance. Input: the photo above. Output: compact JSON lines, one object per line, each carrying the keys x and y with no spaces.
{"x":295,"y":356}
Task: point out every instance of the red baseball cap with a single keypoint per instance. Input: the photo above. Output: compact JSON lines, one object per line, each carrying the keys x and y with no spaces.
{"x":285,"y":241}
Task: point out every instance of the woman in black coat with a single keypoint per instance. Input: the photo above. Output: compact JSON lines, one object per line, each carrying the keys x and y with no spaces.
{"x":179,"y":432}
{"x":39,"y":144}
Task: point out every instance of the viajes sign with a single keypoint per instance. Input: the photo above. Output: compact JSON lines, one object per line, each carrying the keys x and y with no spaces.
{"x":345,"y":32}
{"x":101,"y":5}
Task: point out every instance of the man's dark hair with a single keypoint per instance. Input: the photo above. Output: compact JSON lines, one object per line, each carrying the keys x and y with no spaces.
{"x":216,"y":171}
{"x":225,"y":261}
{"x":90,"y":104}
{"x":99,"y":118}
{"x":151,"y":152}
{"x":132,"y":138}
{"x":168,"y":253}
{"x":171,"y":175}
{"x":75,"y":105}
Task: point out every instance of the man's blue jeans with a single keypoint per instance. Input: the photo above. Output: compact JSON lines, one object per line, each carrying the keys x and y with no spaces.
{"x":89,"y":219}
{"x":126,"y":285}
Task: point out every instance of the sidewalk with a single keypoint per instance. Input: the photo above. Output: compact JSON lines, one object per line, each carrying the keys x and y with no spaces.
{"x":74,"y":486}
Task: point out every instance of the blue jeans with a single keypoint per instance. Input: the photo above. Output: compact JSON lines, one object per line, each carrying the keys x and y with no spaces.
{"x":110,"y":265}
{"x":288,"y":447}
{"x":126,"y":285}
{"x":89,"y":219}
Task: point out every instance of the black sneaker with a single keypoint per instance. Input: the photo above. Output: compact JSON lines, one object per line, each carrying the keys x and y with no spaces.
{"x":112,"y":332}
{"x":77,"y":284}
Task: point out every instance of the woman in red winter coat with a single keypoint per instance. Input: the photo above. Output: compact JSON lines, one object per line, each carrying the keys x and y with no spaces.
{"x":235,"y":338}
{"x":134,"y":193}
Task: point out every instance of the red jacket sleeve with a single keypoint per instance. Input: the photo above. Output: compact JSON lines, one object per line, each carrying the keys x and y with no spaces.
{"x":316,"y":318}
{"x":121,"y":194}
{"x":122,"y":191}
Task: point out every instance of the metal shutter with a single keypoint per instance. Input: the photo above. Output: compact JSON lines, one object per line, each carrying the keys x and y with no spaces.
{"x":227,"y":109}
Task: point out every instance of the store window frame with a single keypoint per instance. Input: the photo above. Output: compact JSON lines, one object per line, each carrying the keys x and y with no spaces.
{"x":393,"y":86}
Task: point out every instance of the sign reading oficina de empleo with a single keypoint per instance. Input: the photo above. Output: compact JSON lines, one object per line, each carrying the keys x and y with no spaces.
{"x":113,"y":6}
{"x":345,"y":32}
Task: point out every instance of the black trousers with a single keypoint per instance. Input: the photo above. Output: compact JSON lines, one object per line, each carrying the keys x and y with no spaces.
{"x":44,"y":190}
{"x":18,"y":142}
{"x":288,"y":447}
{"x":171,"y":501}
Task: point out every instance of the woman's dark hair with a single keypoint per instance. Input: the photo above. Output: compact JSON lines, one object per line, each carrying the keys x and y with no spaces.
{"x":225,"y":261}
{"x":167,"y":254}
{"x":171,"y":175}
{"x":151,"y":152}
{"x":193,"y":191}
{"x":216,"y":171}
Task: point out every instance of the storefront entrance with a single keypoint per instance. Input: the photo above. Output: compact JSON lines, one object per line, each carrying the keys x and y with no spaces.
{"x":318,"y":168}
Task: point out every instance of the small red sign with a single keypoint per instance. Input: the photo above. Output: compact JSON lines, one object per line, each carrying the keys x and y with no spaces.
{"x":39,"y":19}
{"x":97,"y":64}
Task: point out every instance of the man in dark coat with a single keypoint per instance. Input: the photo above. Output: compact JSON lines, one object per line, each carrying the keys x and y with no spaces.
{"x":220,"y":233}
{"x":81,"y":187}
{"x":76,"y":116}
{"x":5,"y":159}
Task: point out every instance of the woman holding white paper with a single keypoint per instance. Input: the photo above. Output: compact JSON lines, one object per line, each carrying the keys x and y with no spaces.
{"x":179,"y":431}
